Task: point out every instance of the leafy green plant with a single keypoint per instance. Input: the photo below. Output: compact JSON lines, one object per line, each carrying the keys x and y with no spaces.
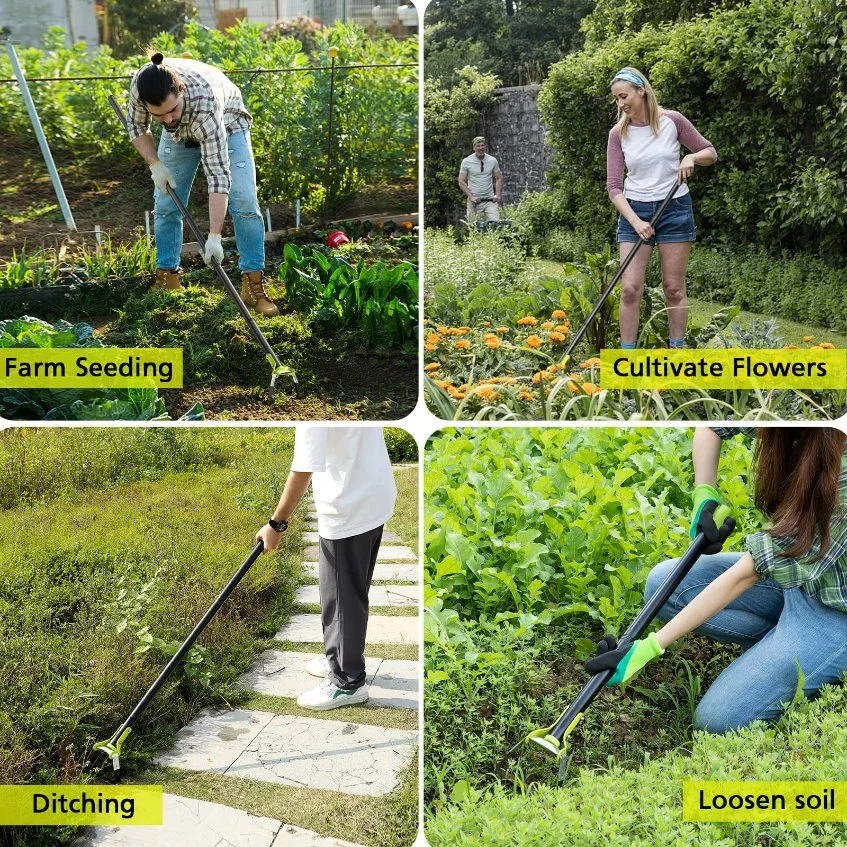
{"x":378,"y":301}
{"x":82,"y":404}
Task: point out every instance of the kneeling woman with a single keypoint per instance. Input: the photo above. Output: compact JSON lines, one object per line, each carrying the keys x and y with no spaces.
{"x":784,"y":600}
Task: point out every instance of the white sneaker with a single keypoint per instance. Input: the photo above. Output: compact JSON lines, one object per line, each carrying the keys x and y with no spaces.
{"x":318,"y":667}
{"x":329,"y":696}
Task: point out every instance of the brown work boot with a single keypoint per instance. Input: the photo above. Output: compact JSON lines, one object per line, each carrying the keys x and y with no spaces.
{"x":167,"y":279}
{"x":255,"y":294}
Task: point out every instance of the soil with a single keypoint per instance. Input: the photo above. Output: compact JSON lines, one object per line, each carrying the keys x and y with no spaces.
{"x":115,"y":195}
{"x":363,"y":385}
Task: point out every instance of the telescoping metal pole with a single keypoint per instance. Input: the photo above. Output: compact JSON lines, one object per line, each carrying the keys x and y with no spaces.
{"x":611,"y":286}
{"x":39,"y":134}
{"x":112,"y":747}
{"x":278,"y":367}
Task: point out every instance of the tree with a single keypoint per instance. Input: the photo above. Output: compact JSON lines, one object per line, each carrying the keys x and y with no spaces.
{"x":517,"y":40}
{"x":133,"y":25}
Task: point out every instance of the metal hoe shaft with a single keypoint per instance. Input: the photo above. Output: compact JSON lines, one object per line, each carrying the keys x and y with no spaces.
{"x":114,"y":742}
{"x":221,"y":273}
{"x":611,"y":286}
{"x":633,"y":632}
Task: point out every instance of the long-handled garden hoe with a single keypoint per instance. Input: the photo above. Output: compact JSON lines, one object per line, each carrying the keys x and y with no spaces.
{"x":112,"y":746}
{"x":611,"y":286}
{"x":554,"y":738}
{"x":278,"y":368}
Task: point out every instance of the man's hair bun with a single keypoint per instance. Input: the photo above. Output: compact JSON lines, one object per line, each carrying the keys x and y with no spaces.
{"x":157,"y":58}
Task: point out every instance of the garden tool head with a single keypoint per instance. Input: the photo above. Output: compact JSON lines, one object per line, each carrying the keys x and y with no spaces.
{"x":112,"y":747}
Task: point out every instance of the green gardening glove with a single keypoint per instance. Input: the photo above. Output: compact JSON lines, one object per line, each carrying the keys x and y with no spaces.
{"x":702,"y":494}
{"x":626,"y":661}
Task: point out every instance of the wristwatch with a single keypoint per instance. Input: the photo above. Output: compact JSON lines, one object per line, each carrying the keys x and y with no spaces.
{"x":279,"y":526}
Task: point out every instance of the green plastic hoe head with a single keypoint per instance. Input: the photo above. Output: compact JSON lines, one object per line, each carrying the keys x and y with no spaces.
{"x":559,"y":748}
{"x":112,"y":748}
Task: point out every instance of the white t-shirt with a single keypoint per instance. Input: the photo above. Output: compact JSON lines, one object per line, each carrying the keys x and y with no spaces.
{"x":352,"y":481}
{"x":480,"y":174}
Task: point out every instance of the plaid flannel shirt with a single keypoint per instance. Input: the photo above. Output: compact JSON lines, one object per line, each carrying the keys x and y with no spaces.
{"x":214,"y":109}
{"x":824,"y":578}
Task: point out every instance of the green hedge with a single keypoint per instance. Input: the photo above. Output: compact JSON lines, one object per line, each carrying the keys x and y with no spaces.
{"x":401,"y":445}
{"x":764,"y":81}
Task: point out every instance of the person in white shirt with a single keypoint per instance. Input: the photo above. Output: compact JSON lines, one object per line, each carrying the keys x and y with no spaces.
{"x":646,"y":141}
{"x":354,"y":491}
{"x":481,"y":182}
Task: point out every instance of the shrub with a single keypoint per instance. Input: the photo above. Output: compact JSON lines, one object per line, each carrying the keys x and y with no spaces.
{"x":401,"y":445}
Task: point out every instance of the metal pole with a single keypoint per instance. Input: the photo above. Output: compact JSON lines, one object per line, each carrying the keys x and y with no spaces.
{"x":333,"y":52}
{"x":42,"y":140}
{"x":297,"y":213}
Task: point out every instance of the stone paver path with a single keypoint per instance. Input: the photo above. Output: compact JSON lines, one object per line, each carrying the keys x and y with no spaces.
{"x":317,"y":753}
{"x":196,"y":823}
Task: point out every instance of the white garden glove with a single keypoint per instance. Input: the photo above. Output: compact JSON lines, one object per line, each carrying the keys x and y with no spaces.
{"x":162,"y":176}
{"x":214,"y":249}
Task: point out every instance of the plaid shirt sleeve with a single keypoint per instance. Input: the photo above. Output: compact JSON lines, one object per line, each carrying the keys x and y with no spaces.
{"x":725,"y":432}
{"x":137,"y":117}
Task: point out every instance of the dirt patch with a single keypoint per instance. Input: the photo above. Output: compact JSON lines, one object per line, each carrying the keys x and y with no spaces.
{"x":115,"y":193}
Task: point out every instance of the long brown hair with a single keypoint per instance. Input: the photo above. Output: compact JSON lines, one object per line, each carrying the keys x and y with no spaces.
{"x":797,"y":471}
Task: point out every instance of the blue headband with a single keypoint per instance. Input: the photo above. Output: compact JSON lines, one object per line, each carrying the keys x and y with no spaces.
{"x":629,"y":76}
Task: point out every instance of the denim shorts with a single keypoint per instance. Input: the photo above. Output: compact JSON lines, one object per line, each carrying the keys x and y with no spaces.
{"x":676,"y":224}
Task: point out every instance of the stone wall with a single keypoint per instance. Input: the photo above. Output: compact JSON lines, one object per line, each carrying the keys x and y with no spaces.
{"x":515,"y":136}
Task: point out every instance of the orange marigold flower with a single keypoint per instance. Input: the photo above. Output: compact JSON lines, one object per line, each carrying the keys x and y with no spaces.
{"x":791,"y":347}
{"x":430,"y":348}
{"x":486,"y":323}
{"x":547,"y":325}
{"x":563,"y":328}
{"x":527,"y":321}
{"x":558,"y":315}
{"x":556,"y":337}
{"x":526,"y":394}
{"x":462,"y":330}
{"x":433,"y":366}
{"x":492,"y":342}
{"x":433,"y":338}
{"x":827,"y":346}
{"x":807,"y":338}
{"x":534,"y":341}
{"x":816,"y":347}
{"x":462,"y":344}
{"x":502,"y":330}
{"x":590,"y":388}
{"x":573,"y":386}
{"x":444,"y":330}
{"x":443,"y":383}
{"x":552,"y":369}
{"x":593,"y":362}
{"x":487,"y":393}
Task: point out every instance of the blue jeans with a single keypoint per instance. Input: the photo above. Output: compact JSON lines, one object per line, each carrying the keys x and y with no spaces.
{"x":776,"y":627}
{"x":243,"y":204}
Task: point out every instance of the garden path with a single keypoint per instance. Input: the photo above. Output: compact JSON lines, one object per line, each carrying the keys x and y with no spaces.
{"x":285,"y":746}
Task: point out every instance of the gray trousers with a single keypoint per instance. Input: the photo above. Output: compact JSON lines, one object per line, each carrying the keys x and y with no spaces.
{"x":345,"y":571}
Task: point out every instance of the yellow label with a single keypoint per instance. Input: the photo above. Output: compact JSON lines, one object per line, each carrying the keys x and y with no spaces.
{"x":81,"y":805}
{"x":705,"y":370}
{"x":764,"y":801}
{"x":106,"y":367}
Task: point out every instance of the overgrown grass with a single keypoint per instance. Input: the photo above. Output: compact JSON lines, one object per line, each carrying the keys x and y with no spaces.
{"x":404,"y":522}
{"x":87,"y":571}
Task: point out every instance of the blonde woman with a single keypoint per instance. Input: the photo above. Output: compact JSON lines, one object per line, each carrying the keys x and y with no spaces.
{"x":645,"y":143}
